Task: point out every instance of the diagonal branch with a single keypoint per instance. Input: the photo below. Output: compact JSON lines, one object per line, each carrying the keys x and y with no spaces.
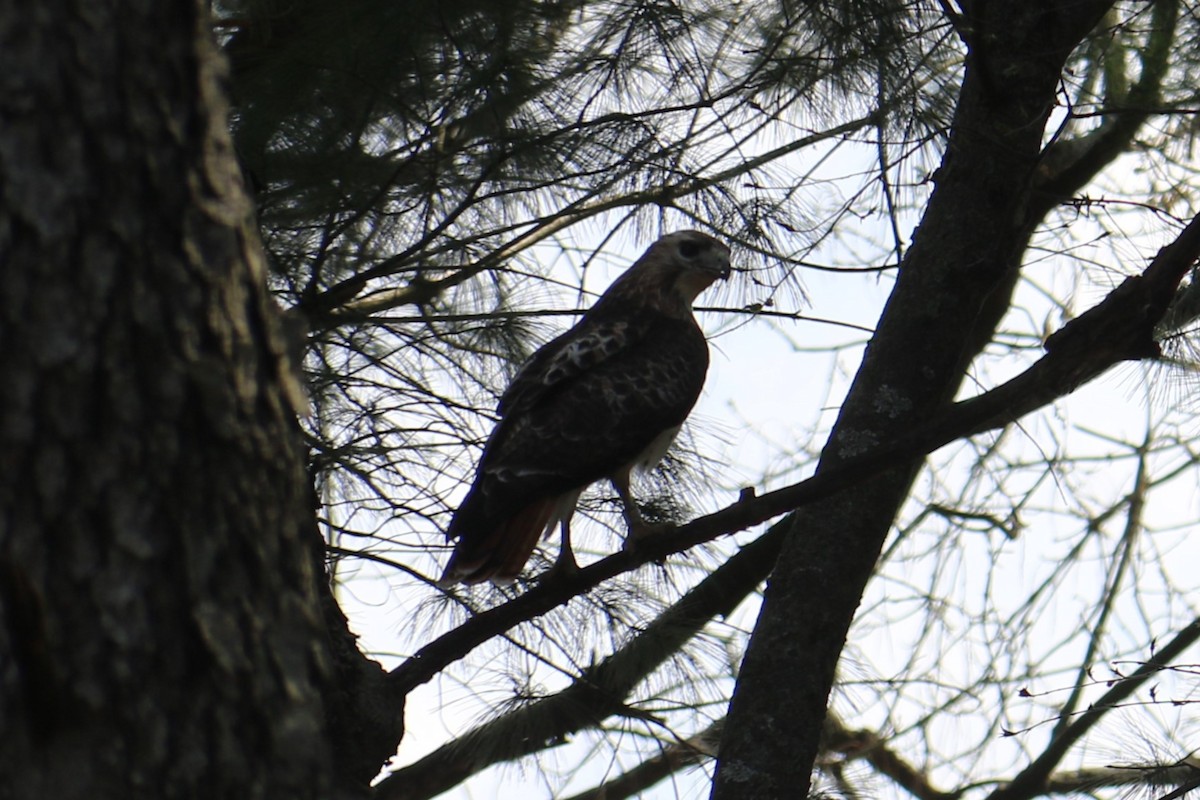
{"x":1184,"y":775}
{"x":673,"y":758}
{"x":1119,"y":328}
{"x":1034,"y":779}
{"x":1134,"y":524}
{"x":599,"y":693}
{"x":1068,"y":165}
{"x":867,"y":745}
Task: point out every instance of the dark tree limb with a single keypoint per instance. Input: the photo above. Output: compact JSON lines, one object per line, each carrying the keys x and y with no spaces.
{"x":951,"y":291}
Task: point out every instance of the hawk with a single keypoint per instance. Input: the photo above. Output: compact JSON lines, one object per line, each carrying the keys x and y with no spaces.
{"x":608,"y":395}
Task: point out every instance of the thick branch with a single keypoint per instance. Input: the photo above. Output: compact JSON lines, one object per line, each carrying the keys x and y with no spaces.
{"x":951,"y":289}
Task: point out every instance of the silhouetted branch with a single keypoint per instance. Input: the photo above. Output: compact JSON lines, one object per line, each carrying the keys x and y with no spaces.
{"x":1034,"y":779}
{"x":1119,"y":328}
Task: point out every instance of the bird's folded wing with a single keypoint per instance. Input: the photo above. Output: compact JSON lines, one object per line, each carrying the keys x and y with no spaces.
{"x":570,"y":355}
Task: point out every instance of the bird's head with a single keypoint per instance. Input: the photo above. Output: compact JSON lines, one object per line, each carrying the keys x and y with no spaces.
{"x":669,"y":275}
{"x":694,"y":259}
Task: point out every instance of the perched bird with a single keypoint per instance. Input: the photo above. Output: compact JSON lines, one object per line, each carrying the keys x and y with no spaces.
{"x":608,"y":395}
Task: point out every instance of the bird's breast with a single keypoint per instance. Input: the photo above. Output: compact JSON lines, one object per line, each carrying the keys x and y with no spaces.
{"x":653,"y":452}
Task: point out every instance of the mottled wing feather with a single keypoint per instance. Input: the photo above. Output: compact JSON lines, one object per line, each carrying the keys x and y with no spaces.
{"x":605,"y":415}
{"x":562,"y":359}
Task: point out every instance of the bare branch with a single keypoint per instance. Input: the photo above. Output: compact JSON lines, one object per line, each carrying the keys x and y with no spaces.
{"x":1034,"y":779}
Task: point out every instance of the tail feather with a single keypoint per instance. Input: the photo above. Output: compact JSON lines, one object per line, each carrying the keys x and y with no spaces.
{"x":502,"y":552}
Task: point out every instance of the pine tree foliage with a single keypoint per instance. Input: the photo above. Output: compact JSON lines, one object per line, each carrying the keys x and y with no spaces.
{"x":409,"y":158}
{"x":443,"y":185}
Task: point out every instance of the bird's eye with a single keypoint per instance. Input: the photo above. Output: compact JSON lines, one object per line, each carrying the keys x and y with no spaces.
{"x":689,"y":249}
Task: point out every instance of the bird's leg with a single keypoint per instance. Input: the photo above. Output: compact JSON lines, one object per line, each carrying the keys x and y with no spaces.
{"x":638,"y":527}
{"x":565,"y":564}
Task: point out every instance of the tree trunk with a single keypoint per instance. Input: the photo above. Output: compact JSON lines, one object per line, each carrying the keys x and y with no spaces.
{"x":952,"y":289}
{"x":160,"y":631}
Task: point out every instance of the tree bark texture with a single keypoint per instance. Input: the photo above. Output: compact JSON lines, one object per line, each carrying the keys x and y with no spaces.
{"x":951,"y":291}
{"x":160,"y":633}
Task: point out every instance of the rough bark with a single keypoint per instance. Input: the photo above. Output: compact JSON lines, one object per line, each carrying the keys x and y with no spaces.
{"x":941,"y":311}
{"x":159,"y":617}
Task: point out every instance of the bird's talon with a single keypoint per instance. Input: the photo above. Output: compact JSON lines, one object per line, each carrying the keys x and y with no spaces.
{"x":564,"y":567}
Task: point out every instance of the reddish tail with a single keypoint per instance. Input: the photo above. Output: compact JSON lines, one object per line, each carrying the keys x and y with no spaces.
{"x":502,"y":552}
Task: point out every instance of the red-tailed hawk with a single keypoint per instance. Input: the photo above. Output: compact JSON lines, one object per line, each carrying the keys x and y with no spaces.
{"x":606,"y":396}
